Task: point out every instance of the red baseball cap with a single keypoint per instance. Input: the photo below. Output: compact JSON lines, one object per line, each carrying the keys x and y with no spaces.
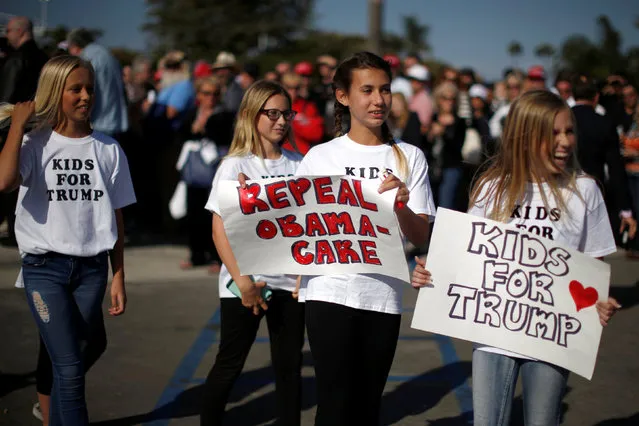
{"x":393,"y":61}
{"x":304,"y":69}
{"x":202,"y":69}
{"x":536,"y":72}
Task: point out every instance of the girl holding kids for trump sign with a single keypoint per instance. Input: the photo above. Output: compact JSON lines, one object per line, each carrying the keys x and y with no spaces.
{"x":535,"y":183}
{"x":263,"y":123}
{"x":353,"y":320}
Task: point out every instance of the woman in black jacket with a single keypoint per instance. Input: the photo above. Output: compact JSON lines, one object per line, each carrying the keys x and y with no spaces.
{"x":446,"y":136}
{"x":199,"y":221}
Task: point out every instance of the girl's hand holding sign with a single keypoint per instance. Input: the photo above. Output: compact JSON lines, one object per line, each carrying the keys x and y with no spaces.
{"x":421,"y":276}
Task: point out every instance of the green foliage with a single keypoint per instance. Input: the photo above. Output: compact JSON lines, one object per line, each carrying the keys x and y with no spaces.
{"x":545,"y":50}
{"x":602,"y":57}
{"x":202,"y":28}
{"x":415,"y":35}
{"x":124,"y":55}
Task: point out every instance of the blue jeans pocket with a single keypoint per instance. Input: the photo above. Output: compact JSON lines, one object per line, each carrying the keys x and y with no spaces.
{"x":34,"y":260}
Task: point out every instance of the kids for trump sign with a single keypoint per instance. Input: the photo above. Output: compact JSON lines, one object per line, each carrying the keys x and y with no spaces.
{"x":316,"y":225}
{"x":501,"y":286}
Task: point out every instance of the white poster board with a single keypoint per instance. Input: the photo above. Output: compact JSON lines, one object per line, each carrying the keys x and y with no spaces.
{"x":315,"y":225}
{"x":498,"y":285}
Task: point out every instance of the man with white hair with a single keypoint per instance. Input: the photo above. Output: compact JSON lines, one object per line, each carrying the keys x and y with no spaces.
{"x":19,"y":77}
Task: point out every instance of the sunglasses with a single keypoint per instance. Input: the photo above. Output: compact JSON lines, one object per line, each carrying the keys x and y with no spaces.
{"x":209,"y":93}
{"x":275,"y":114}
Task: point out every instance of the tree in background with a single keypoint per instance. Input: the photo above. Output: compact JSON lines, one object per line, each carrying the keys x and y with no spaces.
{"x":415,"y":36}
{"x":546,"y":52}
{"x":515,"y":50}
{"x":602,"y":57}
{"x":202,"y":28}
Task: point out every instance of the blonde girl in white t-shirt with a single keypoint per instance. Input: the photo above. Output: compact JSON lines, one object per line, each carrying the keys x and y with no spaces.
{"x":73,"y":182}
{"x":535,"y":184}
{"x":263,"y":123}
{"x":353,"y":320}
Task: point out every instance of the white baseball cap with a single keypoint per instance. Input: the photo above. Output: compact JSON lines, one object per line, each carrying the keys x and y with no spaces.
{"x":478,"y":91}
{"x":418,"y":72}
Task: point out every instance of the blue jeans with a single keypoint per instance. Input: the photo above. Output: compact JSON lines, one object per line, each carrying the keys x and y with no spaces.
{"x":65,"y":295}
{"x":494,"y":380}
{"x":449,"y":186}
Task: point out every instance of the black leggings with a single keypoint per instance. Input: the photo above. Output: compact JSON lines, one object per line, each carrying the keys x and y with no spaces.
{"x":199,"y":224}
{"x":95,"y":347}
{"x":238,"y":328}
{"x":353,"y":350}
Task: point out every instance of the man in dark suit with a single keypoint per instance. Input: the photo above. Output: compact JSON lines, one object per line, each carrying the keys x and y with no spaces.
{"x":18,"y":82}
{"x":597,"y":146}
{"x":21,"y":70}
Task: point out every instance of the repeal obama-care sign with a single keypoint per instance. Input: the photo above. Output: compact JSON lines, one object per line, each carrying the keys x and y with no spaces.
{"x":315,"y":225}
{"x":501,"y":286}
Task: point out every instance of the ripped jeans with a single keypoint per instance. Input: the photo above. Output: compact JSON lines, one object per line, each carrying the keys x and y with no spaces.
{"x":65,"y":295}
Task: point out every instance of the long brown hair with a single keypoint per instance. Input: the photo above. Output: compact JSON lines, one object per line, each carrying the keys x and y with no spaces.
{"x":343,"y":79}
{"x":528,"y":132}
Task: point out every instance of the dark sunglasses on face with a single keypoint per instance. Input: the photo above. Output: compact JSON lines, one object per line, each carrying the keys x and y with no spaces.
{"x":209,"y":93}
{"x":275,"y":114}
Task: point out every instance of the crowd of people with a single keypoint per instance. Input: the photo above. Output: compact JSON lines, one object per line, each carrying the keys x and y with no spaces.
{"x":81,"y":131}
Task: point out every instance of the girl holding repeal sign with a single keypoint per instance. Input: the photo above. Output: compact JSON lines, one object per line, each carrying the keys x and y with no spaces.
{"x":263,"y":123}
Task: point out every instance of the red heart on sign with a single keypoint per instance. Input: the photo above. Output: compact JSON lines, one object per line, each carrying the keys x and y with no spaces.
{"x":583,"y":297}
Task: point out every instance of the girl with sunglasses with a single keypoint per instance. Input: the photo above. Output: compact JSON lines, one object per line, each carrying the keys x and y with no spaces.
{"x":263,"y":123}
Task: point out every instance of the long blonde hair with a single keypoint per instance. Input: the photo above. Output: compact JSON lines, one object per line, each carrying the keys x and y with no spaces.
{"x":246,"y":138}
{"x":342,"y":80}
{"x":48,"y":97}
{"x":528,"y":132}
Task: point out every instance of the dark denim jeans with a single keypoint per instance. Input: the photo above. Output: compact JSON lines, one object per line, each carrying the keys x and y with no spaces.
{"x":65,"y":295}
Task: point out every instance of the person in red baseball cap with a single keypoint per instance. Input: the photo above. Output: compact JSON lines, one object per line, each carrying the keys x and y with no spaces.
{"x":305,"y":70}
{"x":399,"y":84}
{"x":308,"y":125}
{"x":535,"y":79}
{"x":202,"y":69}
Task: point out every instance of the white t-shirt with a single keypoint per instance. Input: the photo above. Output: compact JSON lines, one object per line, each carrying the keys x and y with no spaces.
{"x":70,"y":189}
{"x":255,"y":168}
{"x":586,"y":229}
{"x":344,"y":157}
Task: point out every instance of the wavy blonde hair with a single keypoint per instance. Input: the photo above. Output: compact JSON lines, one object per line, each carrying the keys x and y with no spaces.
{"x":246,"y":138}
{"x":523,"y":158}
{"x":48,"y":97}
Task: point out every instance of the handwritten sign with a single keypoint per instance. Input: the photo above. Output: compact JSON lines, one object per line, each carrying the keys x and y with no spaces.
{"x":312,"y":226}
{"x":501,"y":286}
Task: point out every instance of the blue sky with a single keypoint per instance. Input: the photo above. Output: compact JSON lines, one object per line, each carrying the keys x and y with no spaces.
{"x":463,"y":32}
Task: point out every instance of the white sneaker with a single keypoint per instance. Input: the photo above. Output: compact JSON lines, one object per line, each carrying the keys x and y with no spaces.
{"x":37,"y":413}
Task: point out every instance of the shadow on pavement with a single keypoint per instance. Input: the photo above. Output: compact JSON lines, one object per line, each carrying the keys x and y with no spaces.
{"x":626,"y":296}
{"x":422,"y":393}
{"x":411,"y":398}
{"x":627,"y":421}
{"x":13,"y":382}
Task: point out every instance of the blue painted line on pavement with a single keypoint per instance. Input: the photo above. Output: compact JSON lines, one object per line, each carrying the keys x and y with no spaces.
{"x":186,"y":370}
{"x":463,"y":393}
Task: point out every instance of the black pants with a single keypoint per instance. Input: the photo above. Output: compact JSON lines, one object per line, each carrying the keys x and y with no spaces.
{"x":95,"y":346}
{"x":200,"y":227}
{"x":285,"y":320}
{"x":353,"y":350}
